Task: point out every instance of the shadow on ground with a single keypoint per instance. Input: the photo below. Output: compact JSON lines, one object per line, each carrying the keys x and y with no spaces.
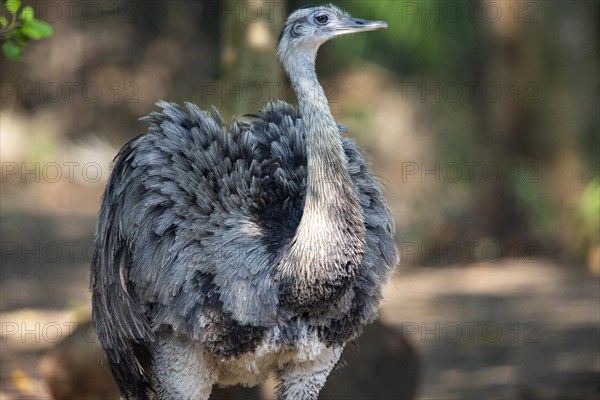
{"x":379,"y":365}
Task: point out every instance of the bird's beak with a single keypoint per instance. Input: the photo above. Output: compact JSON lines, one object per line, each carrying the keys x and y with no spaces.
{"x":353,"y":25}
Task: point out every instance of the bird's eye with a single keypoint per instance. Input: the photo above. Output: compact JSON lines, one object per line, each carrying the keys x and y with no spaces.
{"x":321,"y":19}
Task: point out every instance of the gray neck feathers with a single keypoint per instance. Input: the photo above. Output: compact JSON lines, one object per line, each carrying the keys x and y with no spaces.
{"x":329,"y":243}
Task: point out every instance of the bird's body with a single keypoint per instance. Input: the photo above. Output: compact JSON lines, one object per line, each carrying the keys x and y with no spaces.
{"x":226,"y":254}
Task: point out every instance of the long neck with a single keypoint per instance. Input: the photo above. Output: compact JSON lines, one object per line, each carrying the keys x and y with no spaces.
{"x":329,"y":243}
{"x":328,"y":182}
{"x":327,"y":164}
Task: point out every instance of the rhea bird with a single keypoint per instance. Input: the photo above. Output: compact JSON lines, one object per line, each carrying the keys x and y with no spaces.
{"x":224,"y":255}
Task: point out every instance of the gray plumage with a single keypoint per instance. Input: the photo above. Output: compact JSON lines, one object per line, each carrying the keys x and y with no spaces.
{"x":224,"y":254}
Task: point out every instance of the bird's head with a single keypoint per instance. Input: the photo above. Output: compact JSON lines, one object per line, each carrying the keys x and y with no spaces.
{"x":308,"y":28}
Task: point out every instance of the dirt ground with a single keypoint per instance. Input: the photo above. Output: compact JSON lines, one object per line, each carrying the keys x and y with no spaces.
{"x":516,"y":328}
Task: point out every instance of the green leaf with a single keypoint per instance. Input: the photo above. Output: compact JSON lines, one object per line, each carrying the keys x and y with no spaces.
{"x":12,"y":51}
{"x":20,"y":38}
{"x":3,"y":21}
{"x":36,"y":29}
{"x":27,"y":13}
{"x":13,"y":6}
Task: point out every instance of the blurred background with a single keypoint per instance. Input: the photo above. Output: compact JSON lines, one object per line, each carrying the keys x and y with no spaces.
{"x":481,"y":119}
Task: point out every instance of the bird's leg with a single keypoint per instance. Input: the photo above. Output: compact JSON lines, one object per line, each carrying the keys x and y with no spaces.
{"x":304,"y":380}
{"x":182,"y":369}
